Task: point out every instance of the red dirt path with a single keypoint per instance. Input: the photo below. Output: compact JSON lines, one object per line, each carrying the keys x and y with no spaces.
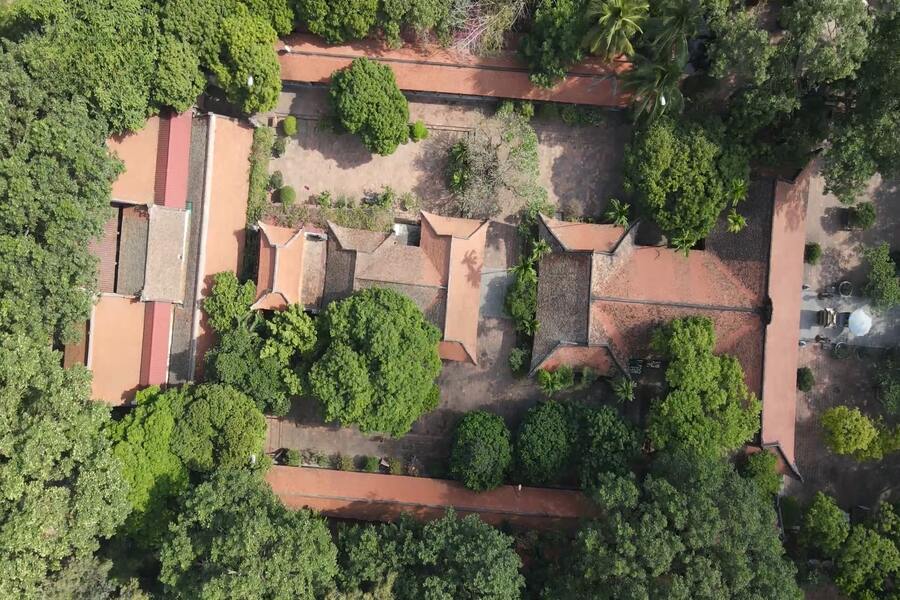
{"x":377,"y":497}
{"x":439,"y":70}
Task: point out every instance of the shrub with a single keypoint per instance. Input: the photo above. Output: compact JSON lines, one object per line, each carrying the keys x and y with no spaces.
{"x":287,"y":195}
{"x":805,"y":379}
{"x":518,"y":360}
{"x":863,"y":215}
{"x":883,"y":286}
{"x":276,"y":181}
{"x":279,"y":146}
{"x":367,"y":102}
{"x":372,"y":464}
{"x":338,"y":20}
{"x":888,"y":378}
{"x":521,"y":297}
{"x":552,"y":382}
{"x":554,"y":40}
{"x":762,"y":468}
{"x":396,"y":466}
{"x":289,"y":125}
{"x":623,"y":389}
{"x":544,"y":444}
{"x":260,"y":153}
{"x":292,"y":458}
{"x":409,"y":202}
{"x":482,"y":452}
{"x":418,"y":131}
{"x":812,"y":253}
{"x":459,"y":169}
{"x":343,"y":463}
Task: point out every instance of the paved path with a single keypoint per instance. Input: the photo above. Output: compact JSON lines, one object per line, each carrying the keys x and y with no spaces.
{"x":377,"y":497}
{"x":439,"y":70}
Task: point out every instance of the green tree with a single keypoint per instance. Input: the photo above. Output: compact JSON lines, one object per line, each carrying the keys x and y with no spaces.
{"x":219,"y":427}
{"x":63,"y":490}
{"x":544,"y":444}
{"x":89,"y":577}
{"x":155,"y":474}
{"x":379,"y":363}
{"x":367,"y":102}
{"x":672,"y":24}
{"x":848,"y":431}
{"x":682,"y":175}
{"x":708,"y":407}
{"x":228,"y":305}
{"x":247,"y":68}
{"x":741,"y":47}
{"x":178,"y":77}
{"x":883,"y":286}
{"x":170,"y":434}
{"x":481,"y":452}
{"x":825,"y":526}
{"x":865,"y":563}
{"x":554,"y":41}
{"x":338,"y":20}
{"x":826,"y":38}
{"x":762,"y":468}
{"x":234,"y":539}
{"x":698,"y":530}
{"x":655,"y":86}
{"x":606,"y":444}
{"x":450,"y":557}
{"x":613,"y":24}
{"x":291,"y":338}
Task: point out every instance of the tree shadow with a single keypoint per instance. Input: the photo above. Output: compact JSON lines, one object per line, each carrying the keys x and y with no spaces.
{"x":346,"y":150}
{"x":431,"y":188}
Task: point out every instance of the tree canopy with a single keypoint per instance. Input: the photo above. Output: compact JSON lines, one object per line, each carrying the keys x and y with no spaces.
{"x":708,"y":407}
{"x":378,"y":363}
{"x":482,"y":451}
{"x":171,"y":434}
{"x":543,"y":444}
{"x":684,"y":175}
{"x":450,"y":557}
{"x":63,"y":489}
{"x":696,"y":530}
{"x":883,"y":285}
{"x":367,"y":102}
{"x":234,"y":539}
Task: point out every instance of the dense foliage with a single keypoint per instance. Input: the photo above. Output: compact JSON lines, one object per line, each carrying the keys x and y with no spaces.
{"x":170,"y":434}
{"x":762,"y":468}
{"x":691,"y":529}
{"x":482,"y":453}
{"x":63,"y":489}
{"x":883,"y":285}
{"x":234,"y":539}
{"x":263,"y":359}
{"x":366,"y":101}
{"x":447,"y":558}
{"x":555,"y":38}
{"x":825,"y":525}
{"x":543,"y":444}
{"x":708,"y":407}
{"x":683,"y":176}
{"x":378,"y":363}
{"x":606,"y":444}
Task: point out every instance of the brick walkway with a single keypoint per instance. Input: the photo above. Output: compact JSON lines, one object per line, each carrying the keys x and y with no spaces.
{"x":442,"y":71}
{"x":377,"y":497}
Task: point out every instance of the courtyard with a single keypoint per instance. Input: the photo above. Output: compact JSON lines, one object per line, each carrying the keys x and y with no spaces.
{"x":317,"y":160}
{"x":849,"y":380}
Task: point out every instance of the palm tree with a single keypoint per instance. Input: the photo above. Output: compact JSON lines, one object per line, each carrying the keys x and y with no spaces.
{"x":738,"y":191}
{"x":617,"y":213}
{"x":615,"y":22}
{"x":736,"y":222}
{"x":676,"y":24}
{"x":655,"y":86}
{"x":623,"y":388}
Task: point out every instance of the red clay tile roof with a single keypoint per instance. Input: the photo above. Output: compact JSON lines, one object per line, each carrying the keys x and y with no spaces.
{"x":177,"y":157}
{"x":155,"y":347}
{"x":280,"y":267}
{"x":442,"y":275}
{"x":116,"y":348}
{"x":436,"y":69}
{"x":376,"y":497}
{"x":779,"y":413}
{"x":599,"y":358}
{"x":584,"y":237}
{"x":105,"y":249}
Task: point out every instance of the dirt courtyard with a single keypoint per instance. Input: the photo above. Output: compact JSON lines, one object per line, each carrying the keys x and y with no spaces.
{"x":318,"y":160}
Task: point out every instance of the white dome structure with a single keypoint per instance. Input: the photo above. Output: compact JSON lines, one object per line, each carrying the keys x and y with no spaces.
{"x":860,"y":322}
